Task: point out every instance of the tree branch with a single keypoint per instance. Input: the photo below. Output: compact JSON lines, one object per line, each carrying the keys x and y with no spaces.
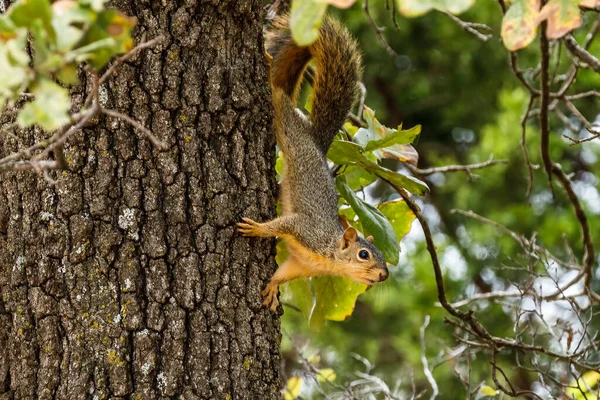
{"x":545,"y":101}
{"x":472,"y":27}
{"x":455,"y":168}
{"x":581,"y":53}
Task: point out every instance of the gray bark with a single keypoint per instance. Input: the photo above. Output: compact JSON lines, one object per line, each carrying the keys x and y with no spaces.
{"x":128,"y":278}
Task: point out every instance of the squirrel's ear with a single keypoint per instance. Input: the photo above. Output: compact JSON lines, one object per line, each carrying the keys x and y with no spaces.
{"x":370,"y":239}
{"x":350,"y":236}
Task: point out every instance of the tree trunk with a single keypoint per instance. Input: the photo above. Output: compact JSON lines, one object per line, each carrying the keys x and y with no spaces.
{"x":128,"y":278}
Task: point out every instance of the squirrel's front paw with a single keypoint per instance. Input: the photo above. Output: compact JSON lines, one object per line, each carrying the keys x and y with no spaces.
{"x":251,"y":228}
{"x":270,"y":293}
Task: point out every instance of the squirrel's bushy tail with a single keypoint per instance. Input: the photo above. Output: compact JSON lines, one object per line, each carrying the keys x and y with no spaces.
{"x":335,"y":84}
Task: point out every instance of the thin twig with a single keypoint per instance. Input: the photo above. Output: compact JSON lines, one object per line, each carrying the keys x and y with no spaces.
{"x":588,"y":257}
{"x":155,"y":141}
{"x":581,"y":53}
{"x":29,"y":165}
{"x":472,"y":27}
{"x":583,"y":94}
{"x":525,"y":243}
{"x":121,"y":60}
{"x":394,"y":20}
{"x":426,"y":371}
{"x":455,"y":168}
{"x":378,"y":30}
{"x":524,"y":120}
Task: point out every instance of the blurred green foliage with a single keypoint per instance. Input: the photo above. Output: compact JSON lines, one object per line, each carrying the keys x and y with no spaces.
{"x":465,"y":96}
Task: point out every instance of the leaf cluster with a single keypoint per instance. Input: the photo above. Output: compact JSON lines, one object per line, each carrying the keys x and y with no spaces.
{"x":60,"y":36}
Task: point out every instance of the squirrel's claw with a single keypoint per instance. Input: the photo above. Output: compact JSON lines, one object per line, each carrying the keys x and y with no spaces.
{"x":250,"y":228}
{"x":270,"y":293}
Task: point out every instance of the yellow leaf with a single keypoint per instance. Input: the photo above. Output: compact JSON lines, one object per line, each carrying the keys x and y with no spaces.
{"x":326,"y":374}
{"x":293,"y":388}
{"x":314,"y":359}
{"x":488,"y":391}
{"x":563,"y":16}
{"x":519,"y":25}
{"x":590,"y":380}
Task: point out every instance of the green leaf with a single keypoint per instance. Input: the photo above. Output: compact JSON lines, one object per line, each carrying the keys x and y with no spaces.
{"x":342,"y":152}
{"x":335,"y":298}
{"x":409,"y":183}
{"x":67,"y":75}
{"x":519,"y":25}
{"x":15,"y":49}
{"x":13,"y":66}
{"x":25,"y":12}
{"x":293,"y":388}
{"x":41,"y":46}
{"x":70,"y":23}
{"x":399,"y":215}
{"x":347,"y":153}
{"x":386,"y":142}
{"x":50,"y":108}
{"x":87,"y":52}
{"x":299,"y":293}
{"x":374,"y":222}
{"x":305,"y":20}
{"x":563,"y":16}
{"x":358,"y":177}
{"x":414,"y":8}
{"x":279,"y":164}
{"x":323,"y":298}
{"x":398,"y":136}
{"x":8,"y":30}
{"x":107,"y":37}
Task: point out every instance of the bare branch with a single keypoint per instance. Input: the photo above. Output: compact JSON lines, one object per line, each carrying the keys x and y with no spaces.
{"x":525,"y":243}
{"x":588,"y":258}
{"x":121,"y":60}
{"x":524,"y":120}
{"x":155,"y":141}
{"x":378,"y":30}
{"x":545,"y":101}
{"x":472,"y":27}
{"x":455,"y":168}
{"x":426,"y":371}
{"x":581,"y":53}
{"x":582,"y":95}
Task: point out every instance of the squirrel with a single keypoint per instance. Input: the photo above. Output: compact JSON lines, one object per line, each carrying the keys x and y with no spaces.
{"x":319,"y":243}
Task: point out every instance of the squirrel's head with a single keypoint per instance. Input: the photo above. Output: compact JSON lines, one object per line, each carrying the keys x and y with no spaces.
{"x":363,"y":262}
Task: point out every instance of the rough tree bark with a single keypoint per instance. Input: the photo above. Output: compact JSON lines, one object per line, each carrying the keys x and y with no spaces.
{"x":128,"y":278}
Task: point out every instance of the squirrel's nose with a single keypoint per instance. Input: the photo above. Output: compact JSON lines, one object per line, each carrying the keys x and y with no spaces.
{"x":383,"y":275}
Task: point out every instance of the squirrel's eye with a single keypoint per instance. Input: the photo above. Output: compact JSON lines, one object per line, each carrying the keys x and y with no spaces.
{"x":363,"y":254}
